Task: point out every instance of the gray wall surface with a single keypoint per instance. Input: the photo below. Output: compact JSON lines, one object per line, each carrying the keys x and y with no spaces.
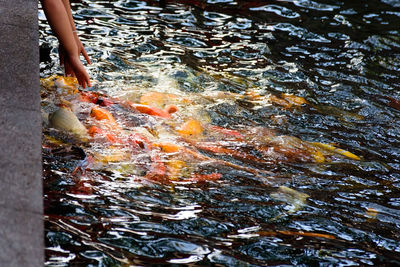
{"x":21,"y":207}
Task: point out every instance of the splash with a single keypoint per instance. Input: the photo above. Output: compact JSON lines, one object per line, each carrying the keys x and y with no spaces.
{"x":160,"y":136}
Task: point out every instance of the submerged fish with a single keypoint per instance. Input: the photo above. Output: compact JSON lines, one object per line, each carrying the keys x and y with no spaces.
{"x":64,"y":119}
{"x":173,"y":144}
{"x":297,"y":200}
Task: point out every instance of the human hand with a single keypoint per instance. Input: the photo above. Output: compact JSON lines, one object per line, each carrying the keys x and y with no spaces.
{"x":74,"y":67}
{"x":67,"y":66}
{"x":81,"y":49}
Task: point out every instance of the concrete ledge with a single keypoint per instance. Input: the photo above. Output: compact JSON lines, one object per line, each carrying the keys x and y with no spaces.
{"x":19,"y":13}
{"x":21,"y":243}
{"x":21,"y":200}
{"x":19,"y":67}
{"x":20,"y":162}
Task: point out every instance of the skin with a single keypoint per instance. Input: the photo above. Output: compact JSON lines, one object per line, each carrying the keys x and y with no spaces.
{"x":59,"y":16}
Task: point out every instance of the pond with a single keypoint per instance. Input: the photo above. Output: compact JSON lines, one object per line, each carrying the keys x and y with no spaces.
{"x":298,"y":162}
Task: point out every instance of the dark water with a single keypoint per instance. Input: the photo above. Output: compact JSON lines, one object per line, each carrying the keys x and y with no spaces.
{"x":342,"y":56}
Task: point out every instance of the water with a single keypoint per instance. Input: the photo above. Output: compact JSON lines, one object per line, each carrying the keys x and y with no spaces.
{"x":343,"y":57}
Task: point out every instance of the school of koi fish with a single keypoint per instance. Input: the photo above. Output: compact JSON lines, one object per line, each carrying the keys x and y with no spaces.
{"x":158,"y":140}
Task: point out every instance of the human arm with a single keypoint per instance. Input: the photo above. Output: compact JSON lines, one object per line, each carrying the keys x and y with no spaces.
{"x":59,"y":21}
{"x":81,"y":48}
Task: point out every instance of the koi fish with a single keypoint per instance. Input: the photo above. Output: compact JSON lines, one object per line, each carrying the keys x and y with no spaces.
{"x":189,"y":139}
{"x":64,"y":119}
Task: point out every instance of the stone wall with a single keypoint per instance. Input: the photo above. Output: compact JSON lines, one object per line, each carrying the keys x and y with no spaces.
{"x":21,"y":208}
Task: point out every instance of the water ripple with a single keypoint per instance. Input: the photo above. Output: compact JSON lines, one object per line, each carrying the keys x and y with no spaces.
{"x":343,"y":57}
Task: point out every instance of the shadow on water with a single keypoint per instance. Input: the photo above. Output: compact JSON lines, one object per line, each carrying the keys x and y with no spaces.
{"x":342,"y":57}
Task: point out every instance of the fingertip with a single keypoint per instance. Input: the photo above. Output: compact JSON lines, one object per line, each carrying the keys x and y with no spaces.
{"x":86,"y":56}
{"x":87,"y":81}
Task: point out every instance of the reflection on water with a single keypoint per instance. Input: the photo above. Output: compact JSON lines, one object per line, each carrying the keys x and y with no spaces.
{"x":343,"y":57}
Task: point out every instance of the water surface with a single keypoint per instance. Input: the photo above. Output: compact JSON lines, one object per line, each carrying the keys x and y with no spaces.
{"x":343,"y":57}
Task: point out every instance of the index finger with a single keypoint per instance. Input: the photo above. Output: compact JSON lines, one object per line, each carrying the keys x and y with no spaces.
{"x":86,"y":56}
{"x":84,"y":81}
